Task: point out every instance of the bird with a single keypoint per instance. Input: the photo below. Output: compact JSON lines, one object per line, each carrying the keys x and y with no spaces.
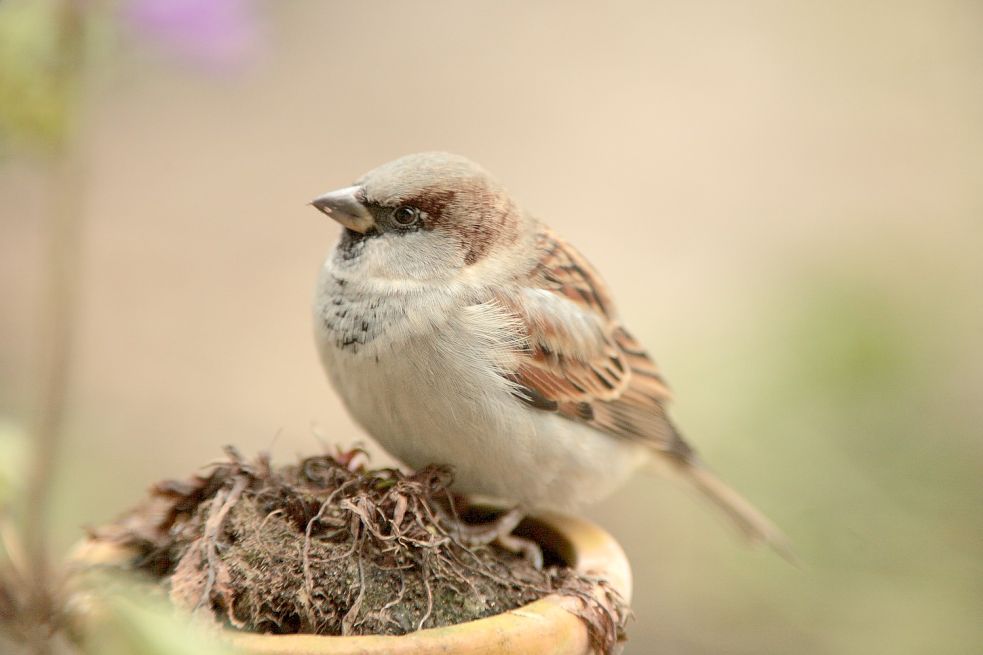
{"x":459,"y":329}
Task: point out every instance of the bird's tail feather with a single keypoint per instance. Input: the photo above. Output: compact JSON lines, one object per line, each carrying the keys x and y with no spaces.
{"x":754,"y":525}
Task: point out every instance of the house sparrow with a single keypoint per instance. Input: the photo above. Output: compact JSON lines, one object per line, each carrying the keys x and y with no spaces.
{"x":458,"y":329}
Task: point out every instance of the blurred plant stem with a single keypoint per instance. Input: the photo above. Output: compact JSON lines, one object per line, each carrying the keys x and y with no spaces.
{"x":59,"y":309}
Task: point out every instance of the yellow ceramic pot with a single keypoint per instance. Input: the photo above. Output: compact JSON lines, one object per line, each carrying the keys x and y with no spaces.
{"x":544,"y":626}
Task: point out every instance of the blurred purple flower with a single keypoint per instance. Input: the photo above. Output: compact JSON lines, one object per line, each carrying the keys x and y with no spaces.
{"x":211,"y":32}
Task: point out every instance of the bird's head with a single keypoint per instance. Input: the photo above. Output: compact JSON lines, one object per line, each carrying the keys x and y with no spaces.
{"x":427,"y":216}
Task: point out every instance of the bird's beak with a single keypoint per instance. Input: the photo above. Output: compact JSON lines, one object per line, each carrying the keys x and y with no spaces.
{"x":346,"y":207}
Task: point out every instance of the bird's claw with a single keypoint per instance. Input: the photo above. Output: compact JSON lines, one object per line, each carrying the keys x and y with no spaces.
{"x":499,"y":533}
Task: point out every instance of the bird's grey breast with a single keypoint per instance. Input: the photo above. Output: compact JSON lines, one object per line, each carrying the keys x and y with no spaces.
{"x":414,"y":360}
{"x":351,"y":317}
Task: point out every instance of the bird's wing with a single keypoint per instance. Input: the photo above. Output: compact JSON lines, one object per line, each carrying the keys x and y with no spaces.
{"x":578,"y":360}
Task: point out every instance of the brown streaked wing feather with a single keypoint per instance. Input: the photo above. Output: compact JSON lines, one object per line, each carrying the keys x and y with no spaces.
{"x":579,"y":361}
{"x":563,"y":270}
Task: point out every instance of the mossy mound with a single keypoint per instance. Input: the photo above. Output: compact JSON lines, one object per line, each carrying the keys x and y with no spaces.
{"x":330,"y":547}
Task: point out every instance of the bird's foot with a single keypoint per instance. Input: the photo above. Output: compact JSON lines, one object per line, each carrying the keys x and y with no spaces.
{"x":528,"y":548}
{"x":499,"y":533}
{"x":482,"y":534}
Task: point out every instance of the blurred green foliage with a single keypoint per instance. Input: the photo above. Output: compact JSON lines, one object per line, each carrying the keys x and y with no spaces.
{"x":127,"y":620}
{"x":34,"y":104}
{"x":883,"y":491}
{"x":42,"y":47}
{"x":841,"y":388}
{"x":13,"y":458}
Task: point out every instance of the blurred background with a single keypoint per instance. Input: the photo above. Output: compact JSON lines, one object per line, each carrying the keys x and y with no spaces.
{"x":785,"y":197}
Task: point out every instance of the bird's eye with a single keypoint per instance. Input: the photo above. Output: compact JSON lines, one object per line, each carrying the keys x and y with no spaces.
{"x":406,"y":215}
